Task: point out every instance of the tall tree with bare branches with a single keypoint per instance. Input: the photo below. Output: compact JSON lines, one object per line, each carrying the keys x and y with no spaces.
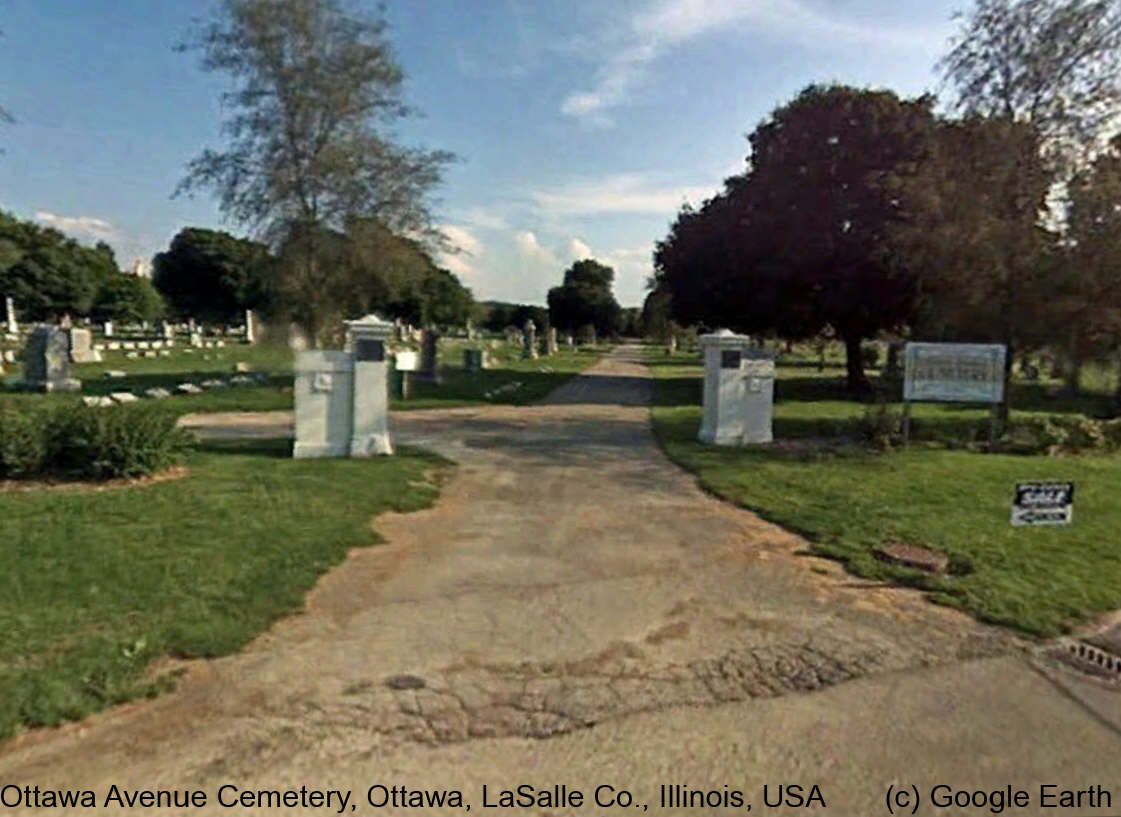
{"x":316,"y":87}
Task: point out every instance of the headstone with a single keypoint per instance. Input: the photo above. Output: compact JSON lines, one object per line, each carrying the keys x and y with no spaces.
{"x":81,"y":346}
{"x":529,"y":344}
{"x":122,"y":397}
{"x":115,"y":346}
{"x":156,"y":393}
{"x":738,"y":391}
{"x":429,"y":371}
{"x":107,"y":329}
{"x":241,"y":366}
{"x":97,"y":401}
{"x":213,"y":383}
{"x":142,"y":344}
{"x":368,"y":338}
{"x":47,"y":361}
{"x":671,"y":347}
{"x":188,"y":388}
{"x":196,"y":339}
{"x":569,"y":341}
{"x":166,"y":332}
{"x":250,"y":328}
{"x":191,"y":326}
{"x":472,"y":360}
{"x":551,"y":341}
{"x":151,"y":353}
{"x":9,"y":356}
{"x":116,"y":373}
{"x":10,"y":312}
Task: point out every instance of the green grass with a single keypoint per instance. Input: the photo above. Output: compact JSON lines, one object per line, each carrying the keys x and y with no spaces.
{"x":457,"y":387}
{"x":847,"y":502}
{"x":461,"y":388}
{"x":97,"y":584}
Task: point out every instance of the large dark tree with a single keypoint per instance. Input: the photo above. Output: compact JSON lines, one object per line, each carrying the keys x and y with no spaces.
{"x":798,"y":242}
{"x":211,"y":275}
{"x":973,"y":234}
{"x":316,"y":87}
{"x":585,"y":298}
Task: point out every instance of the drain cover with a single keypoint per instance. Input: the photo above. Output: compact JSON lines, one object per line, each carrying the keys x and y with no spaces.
{"x":1088,"y":658}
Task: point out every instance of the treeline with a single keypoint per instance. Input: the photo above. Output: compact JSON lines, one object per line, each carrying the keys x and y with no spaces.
{"x":862,"y":214}
{"x":213,"y":276}
{"x":48,"y":275}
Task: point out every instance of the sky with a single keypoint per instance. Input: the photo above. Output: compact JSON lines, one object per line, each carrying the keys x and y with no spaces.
{"x":580,"y":126}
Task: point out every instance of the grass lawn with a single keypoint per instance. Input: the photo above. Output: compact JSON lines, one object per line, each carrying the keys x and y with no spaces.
{"x":847,"y":502}
{"x":97,"y":584}
{"x":535,"y":378}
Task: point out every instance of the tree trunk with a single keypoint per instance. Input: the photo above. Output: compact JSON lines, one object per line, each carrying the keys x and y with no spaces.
{"x":1073,"y":373}
{"x":1003,"y":408}
{"x":854,"y":363}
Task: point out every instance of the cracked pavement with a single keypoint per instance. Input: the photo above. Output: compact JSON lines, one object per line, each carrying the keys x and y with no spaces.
{"x":576,"y":610}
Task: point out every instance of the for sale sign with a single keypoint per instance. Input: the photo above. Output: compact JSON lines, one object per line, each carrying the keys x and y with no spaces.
{"x":1043,"y":503}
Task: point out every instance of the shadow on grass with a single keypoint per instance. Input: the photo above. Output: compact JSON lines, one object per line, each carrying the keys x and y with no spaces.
{"x":273,"y":448}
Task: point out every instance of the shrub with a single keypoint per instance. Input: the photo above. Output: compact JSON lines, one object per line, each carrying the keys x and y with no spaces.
{"x":880,"y":425}
{"x":75,"y":441}
{"x":23,"y":443}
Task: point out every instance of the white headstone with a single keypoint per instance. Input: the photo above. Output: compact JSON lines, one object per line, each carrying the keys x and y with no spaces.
{"x":250,"y":329}
{"x":10,"y":312}
{"x":324,"y":394}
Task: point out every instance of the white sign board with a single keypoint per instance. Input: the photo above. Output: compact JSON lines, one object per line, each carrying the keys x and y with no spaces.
{"x":954,"y":372}
{"x":1043,"y":503}
{"x":405,"y":362}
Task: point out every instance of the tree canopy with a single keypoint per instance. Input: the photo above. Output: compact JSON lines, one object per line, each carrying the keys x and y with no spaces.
{"x":585,"y":299}
{"x":212,"y":275}
{"x":309,"y":148}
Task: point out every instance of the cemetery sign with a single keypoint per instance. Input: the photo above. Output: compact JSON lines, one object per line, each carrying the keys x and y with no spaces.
{"x":954,"y":372}
{"x":1043,"y":503}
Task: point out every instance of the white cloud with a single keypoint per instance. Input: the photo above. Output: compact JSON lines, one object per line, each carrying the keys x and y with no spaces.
{"x":485,"y":219}
{"x":670,"y":23}
{"x":79,"y":226}
{"x":577,"y":250}
{"x":462,"y":238}
{"x":530,"y":248}
{"x":622,"y":193}
{"x":471,"y":248}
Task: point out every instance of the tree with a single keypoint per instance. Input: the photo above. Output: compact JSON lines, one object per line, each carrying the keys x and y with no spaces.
{"x":316,"y":84}
{"x":585,"y":298}
{"x":972,"y":234}
{"x":1055,"y":64}
{"x":48,"y":274}
{"x":797,"y":243}
{"x":127,"y":298}
{"x":1089,"y":292}
{"x":212,"y":276}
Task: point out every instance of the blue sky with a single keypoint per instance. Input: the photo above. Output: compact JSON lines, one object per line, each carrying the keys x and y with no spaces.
{"x":582,"y":125}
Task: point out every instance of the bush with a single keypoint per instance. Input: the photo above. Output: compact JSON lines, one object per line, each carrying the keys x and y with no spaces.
{"x":1053,"y":433}
{"x":881,"y":425}
{"x":75,"y":441}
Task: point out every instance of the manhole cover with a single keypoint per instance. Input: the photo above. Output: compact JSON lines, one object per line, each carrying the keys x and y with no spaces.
{"x":916,"y":556}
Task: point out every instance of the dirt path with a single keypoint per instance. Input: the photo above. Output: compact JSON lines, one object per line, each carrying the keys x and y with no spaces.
{"x":575,"y":611}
